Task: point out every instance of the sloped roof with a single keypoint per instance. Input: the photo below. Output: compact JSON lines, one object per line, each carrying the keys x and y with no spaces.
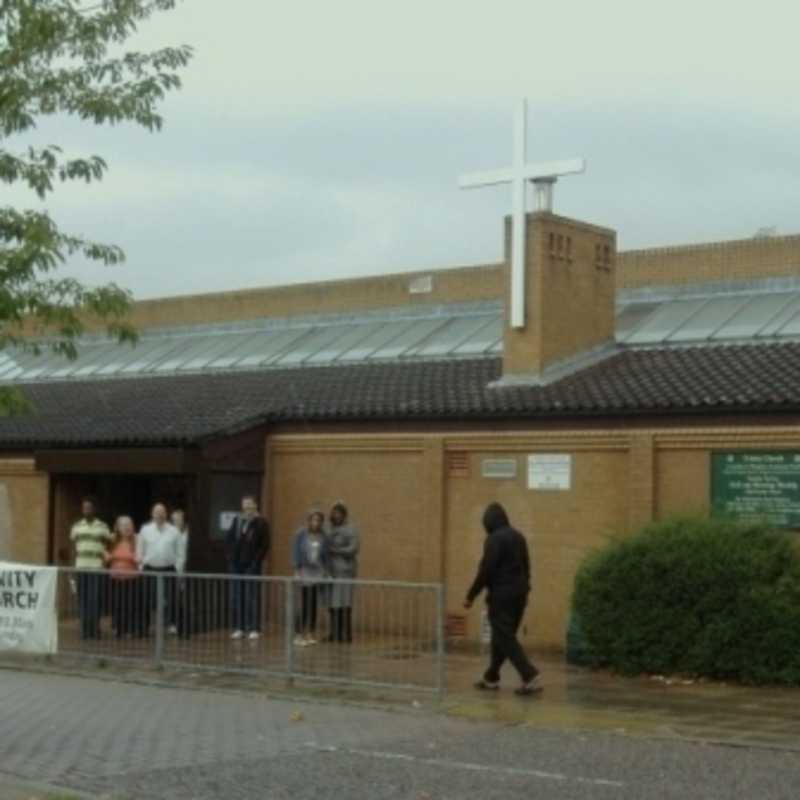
{"x":765,"y":311}
{"x":185,"y":409}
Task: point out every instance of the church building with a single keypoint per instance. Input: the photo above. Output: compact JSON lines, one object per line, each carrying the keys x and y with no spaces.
{"x":632,"y":386}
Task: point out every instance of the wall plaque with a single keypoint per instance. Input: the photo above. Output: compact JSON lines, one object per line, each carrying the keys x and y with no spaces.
{"x":755,"y":486}
{"x":550,"y":471}
{"x":499,"y":468}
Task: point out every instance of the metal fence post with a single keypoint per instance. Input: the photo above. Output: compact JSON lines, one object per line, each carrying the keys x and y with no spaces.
{"x":441,"y":656}
{"x":289,"y":627}
{"x":160,"y":595}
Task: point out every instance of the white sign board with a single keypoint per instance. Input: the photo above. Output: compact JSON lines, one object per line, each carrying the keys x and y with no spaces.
{"x":28,"y":622}
{"x":550,"y":471}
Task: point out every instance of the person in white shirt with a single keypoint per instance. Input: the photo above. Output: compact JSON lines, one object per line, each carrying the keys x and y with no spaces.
{"x":179,"y":621}
{"x":178,"y":519}
{"x":158,"y":549}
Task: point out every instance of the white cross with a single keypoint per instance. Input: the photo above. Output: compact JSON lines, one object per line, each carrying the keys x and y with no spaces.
{"x":543,"y":176}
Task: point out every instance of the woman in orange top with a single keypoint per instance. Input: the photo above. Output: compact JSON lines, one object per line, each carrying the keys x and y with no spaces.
{"x":125,"y":590}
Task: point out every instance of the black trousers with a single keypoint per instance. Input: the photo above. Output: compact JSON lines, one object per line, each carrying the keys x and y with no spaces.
{"x":126,"y":611}
{"x":505,"y":615}
{"x":183,"y":607}
{"x":341,"y":624}
{"x":309,"y":595}
{"x":89,"y":604}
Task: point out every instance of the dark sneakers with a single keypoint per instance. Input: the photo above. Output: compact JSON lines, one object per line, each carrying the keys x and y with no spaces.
{"x":486,"y":686}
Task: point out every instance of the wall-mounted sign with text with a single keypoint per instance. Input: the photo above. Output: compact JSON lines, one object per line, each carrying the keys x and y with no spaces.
{"x":550,"y":471}
{"x":757,"y":486}
{"x":499,"y":468}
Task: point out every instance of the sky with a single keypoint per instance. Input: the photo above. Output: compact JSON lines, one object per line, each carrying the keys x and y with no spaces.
{"x":315,"y":140}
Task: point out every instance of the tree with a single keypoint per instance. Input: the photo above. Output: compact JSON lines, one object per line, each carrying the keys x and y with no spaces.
{"x":68,"y":58}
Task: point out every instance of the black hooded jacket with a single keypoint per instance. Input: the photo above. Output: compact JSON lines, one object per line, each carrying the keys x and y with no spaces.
{"x":505,"y":567}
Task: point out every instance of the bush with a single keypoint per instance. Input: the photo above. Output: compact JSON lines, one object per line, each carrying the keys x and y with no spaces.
{"x":705,"y":597}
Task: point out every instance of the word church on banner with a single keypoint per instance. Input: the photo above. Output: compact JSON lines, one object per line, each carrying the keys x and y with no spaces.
{"x":28,"y":621}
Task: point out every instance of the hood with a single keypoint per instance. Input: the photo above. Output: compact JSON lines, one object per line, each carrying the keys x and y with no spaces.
{"x":495,"y":517}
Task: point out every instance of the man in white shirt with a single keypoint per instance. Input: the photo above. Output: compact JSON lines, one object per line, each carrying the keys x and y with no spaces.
{"x":158,"y":549}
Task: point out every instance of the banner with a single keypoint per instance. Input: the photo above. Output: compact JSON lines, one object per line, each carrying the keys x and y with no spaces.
{"x":28,"y":622}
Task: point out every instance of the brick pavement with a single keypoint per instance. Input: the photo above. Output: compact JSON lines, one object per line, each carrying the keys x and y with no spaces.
{"x":103,"y":738}
{"x":88,"y":734}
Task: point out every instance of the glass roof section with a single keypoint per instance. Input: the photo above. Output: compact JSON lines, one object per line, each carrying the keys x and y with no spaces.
{"x":409,"y":339}
{"x":141,"y":362}
{"x":775,"y":325}
{"x":754,"y":316}
{"x":34,"y":366}
{"x":261,"y":348}
{"x":629,"y":318}
{"x":792,"y":327}
{"x":482,"y":340}
{"x":422,"y":333}
{"x":211,"y":348}
{"x":375,"y":341}
{"x":449,"y":336}
{"x":708,"y":319}
{"x":309,"y":345}
{"x":357,"y":335}
{"x":666,"y":319}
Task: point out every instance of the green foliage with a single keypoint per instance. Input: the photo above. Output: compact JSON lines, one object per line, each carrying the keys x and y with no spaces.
{"x":705,"y":597}
{"x":67,"y":58}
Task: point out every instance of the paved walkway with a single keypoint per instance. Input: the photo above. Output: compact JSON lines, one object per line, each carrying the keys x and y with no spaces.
{"x":101,"y":738}
{"x":576,"y":698}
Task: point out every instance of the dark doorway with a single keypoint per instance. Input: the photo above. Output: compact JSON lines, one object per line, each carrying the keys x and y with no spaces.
{"x":116,"y":495}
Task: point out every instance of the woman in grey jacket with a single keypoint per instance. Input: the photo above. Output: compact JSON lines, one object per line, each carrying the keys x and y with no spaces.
{"x":343,"y":544}
{"x":311,"y":568}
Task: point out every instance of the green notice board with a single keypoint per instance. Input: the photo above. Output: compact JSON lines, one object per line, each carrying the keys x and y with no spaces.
{"x":757,"y":486}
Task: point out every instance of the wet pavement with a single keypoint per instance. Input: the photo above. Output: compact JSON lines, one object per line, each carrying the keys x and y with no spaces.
{"x":126,"y":741}
{"x":574,"y":698}
{"x":581,"y":699}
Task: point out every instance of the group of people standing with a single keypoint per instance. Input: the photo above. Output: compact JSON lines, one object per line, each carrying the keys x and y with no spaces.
{"x":160,"y":546}
{"x":324,"y":556}
{"x":325,"y":561}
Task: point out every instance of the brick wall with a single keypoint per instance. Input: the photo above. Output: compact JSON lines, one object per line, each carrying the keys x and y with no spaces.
{"x":421,"y":521}
{"x":717,"y":261}
{"x":24,"y":503}
{"x":454,"y":285}
{"x":569,"y":291}
{"x":385,"y":485}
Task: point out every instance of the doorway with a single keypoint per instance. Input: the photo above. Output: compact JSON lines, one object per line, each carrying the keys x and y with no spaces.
{"x":114,"y":495}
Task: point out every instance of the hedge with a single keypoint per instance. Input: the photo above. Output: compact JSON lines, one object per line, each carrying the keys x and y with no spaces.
{"x":695,"y":596}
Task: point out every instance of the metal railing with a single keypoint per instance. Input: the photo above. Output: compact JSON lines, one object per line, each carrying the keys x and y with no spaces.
{"x":369,"y":633}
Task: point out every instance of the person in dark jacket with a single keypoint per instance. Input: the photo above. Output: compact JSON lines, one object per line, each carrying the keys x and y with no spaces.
{"x":246,"y":547}
{"x":505,"y":573}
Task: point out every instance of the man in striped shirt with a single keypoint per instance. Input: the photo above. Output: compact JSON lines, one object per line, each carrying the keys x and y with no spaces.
{"x":91,"y":538}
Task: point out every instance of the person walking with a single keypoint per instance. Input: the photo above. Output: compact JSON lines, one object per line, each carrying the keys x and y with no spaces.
{"x":121,"y":561}
{"x":158,"y":551}
{"x":311,"y":568}
{"x":91,"y":537}
{"x":505,"y":573}
{"x":246,"y":546}
{"x":343,"y":546}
